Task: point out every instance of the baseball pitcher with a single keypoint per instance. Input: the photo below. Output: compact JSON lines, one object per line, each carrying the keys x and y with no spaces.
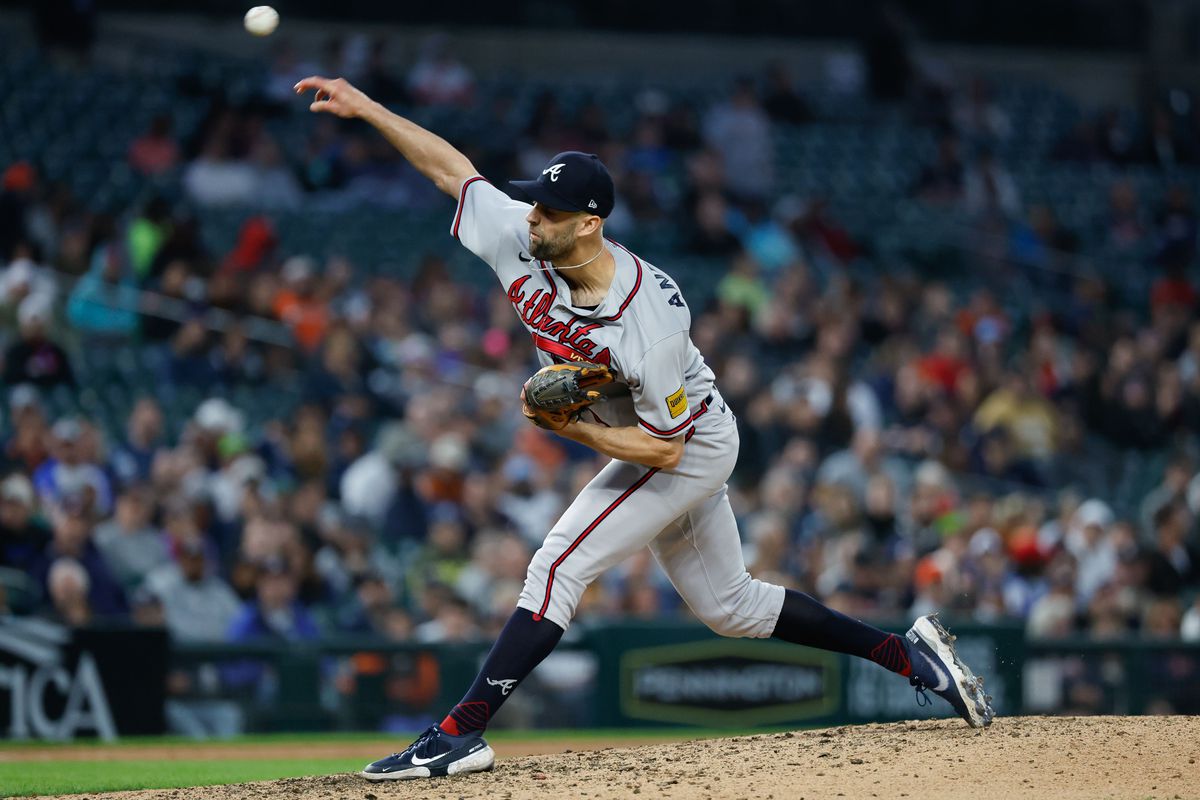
{"x":604,"y":322}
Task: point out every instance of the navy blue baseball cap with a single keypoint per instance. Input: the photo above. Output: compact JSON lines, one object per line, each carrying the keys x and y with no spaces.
{"x":572,"y":181}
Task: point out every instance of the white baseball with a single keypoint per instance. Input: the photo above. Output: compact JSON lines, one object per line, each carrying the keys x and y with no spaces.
{"x":261,"y":20}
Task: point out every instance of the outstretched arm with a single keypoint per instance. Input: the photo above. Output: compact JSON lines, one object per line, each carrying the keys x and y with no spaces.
{"x":429,"y":153}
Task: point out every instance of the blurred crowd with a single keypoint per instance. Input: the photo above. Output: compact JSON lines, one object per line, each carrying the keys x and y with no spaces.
{"x":905,"y":447}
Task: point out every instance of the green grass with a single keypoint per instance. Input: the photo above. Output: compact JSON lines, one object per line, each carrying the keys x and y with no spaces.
{"x":43,"y":777}
{"x":633,"y":735}
{"x":20,"y":778}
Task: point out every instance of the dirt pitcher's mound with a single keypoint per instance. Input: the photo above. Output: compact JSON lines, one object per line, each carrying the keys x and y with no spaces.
{"x":1027,"y":757}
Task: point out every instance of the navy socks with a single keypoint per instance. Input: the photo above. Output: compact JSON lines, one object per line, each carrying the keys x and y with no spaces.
{"x":525,"y":643}
{"x":805,"y":621}
{"x":522,"y":645}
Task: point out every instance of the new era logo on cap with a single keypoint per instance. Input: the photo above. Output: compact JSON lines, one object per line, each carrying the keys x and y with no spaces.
{"x":572,"y":181}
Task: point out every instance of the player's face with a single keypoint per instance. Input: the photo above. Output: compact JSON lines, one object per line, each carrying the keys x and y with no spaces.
{"x":552,"y":232}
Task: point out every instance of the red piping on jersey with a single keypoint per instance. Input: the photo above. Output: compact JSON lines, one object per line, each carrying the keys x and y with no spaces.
{"x":637,"y":284}
{"x":559,"y":349}
{"x":677,"y":428}
{"x":579,"y":539}
{"x":462,"y":195}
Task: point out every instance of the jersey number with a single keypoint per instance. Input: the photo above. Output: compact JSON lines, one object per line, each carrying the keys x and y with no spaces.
{"x":665,"y":284}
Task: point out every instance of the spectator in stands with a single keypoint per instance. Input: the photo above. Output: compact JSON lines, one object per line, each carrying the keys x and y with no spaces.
{"x":130,"y":544}
{"x":26,"y":449}
{"x":215,"y":178}
{"x":104,"y":302}
{"x":148,"y":232}
{"x":198,"y":605}
{"x":133,"y":457}
{"x":68,"y":587}
{"x":275,"y":185}
{"x":1029,"y":418}
{"x":72,"y":539}
{"x":767,"y":239}
{"x":1053,"y":614}
{"x":856,"y":466}
{"x":814,"y":226}
{"x":155,"y":152}
{"x":275,"y":613}
{"x":21,"y":279}
{"x":300,"y":304}
{"x":995,"y":455}
{"x":369,"y":605}
{"x":740,"y":132}
{"x":68,"y":476}
{"x":35,"y":357}
{"x":22,"y":535}
{"x":1173,"y":563}
{"x":451,"y":623}
{"x":1172,"y":489}
{"x":438,"y":78}
{"x":1090,"y":540}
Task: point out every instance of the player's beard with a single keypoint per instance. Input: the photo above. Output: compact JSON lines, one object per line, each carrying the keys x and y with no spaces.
{"x":545,"y":249}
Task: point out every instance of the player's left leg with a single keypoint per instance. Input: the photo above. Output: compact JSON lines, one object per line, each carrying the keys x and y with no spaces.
{"x":701,"y":554}
{"x":617,"y":514}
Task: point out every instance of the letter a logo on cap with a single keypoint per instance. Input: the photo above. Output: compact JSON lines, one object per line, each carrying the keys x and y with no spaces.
{"x":553,"y":171}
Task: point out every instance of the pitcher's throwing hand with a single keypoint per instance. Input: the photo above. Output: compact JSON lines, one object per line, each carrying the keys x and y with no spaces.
{"x":335,"y":96}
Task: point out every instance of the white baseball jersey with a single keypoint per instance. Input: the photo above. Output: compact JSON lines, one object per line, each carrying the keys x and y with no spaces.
{"x":640,"y":330}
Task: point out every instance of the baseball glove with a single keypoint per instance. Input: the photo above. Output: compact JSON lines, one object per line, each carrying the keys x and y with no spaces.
{"x":556,"y":394}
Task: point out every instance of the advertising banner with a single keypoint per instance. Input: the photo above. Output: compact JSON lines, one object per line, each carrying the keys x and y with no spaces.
{"x":663,"y":674}
{"x":60,"y":684}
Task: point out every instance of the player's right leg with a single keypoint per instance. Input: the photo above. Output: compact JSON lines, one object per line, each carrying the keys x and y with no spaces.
{"x":702,"y":555}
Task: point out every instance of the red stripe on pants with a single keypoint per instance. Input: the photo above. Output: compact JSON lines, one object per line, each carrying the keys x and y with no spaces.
{"x":579,"y":539}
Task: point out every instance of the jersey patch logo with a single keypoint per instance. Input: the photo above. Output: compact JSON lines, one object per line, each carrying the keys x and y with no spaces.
{"x":553,"y":171}
{"x":677,"y":402}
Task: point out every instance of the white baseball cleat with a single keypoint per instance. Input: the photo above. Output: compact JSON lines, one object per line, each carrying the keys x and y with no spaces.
{"x":937,"y":668}
{"x":434,"y":754}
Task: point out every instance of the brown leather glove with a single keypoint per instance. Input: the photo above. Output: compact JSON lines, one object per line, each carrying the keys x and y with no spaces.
{"x":555,"y":395}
